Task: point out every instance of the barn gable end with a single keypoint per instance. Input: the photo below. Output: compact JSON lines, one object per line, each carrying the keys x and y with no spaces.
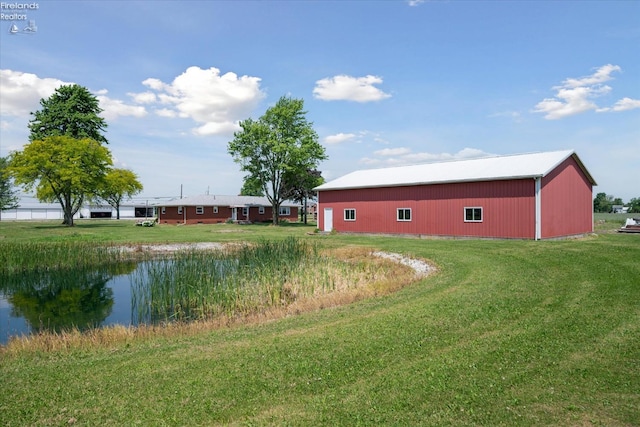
{"x":567,"y":201}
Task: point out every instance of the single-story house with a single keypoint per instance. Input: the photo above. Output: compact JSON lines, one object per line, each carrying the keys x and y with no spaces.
{"x":212,"y":209}
{"x":525,"y":196}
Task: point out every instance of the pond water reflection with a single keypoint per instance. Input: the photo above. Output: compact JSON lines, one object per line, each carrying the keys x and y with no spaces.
{"x":59,"y":300}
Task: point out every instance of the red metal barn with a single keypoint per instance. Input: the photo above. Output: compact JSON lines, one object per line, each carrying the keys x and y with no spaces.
{"x":209,"y":209}
{"x":526,"y":196}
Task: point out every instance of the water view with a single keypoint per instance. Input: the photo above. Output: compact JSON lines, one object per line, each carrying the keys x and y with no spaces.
{"x":59,"y":300}
{"x":77,"y":287}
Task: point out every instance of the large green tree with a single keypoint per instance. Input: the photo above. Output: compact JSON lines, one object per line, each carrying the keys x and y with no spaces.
{"x":280,"y":143}
{"x":62,"y":169}
{"x":8,"y":197}
{"x":118,"y":185}
{"x":72,"y":111}
{"x":299,"y":187}
{"x":602,"y":203}
{"x":634,"y":205}
{"x":251,"y":187}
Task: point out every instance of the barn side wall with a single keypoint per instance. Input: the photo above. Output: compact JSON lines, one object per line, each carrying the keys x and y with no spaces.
{"x":566,"y":201}
{"x":508,"y":209}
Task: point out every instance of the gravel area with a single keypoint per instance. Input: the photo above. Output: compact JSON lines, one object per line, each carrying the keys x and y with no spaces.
{"x":421,"y":268}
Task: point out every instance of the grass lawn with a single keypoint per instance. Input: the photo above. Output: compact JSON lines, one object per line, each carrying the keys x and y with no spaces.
{"x":506,"y":333}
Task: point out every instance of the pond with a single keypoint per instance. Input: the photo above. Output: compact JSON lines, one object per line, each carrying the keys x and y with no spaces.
{"x":58,"y":300}
{"x":187,"y":285}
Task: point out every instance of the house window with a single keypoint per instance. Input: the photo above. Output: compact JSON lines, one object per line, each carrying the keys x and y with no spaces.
{"x":284,"y":211}
{"x":164,"y":210}
{"x":245,"y":212}
{"x":404,"y":214}
{"x":349,"y":214}
{"x":199,"y":210}
{"x":215,"y":209}
{"x":179,"y":209}
{"x":261,"y":210}
{"x":472,"y":214}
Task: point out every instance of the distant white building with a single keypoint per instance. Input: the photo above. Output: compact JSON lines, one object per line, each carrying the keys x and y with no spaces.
{"x":31,"y":209}
{"x":35,"y":211}
{"x":619,"y":209}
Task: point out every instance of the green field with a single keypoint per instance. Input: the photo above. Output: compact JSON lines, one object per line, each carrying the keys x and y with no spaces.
{"x":518,"y":333}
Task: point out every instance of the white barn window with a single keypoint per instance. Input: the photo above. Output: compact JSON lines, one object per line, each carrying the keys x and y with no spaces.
{"x":404,"y":214}
{"x":199,"y":210}
{"x":349,"y":214}
{"x":473,"y":214}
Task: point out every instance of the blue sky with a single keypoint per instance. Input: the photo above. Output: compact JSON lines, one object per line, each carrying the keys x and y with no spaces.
{"x":385,"y":83}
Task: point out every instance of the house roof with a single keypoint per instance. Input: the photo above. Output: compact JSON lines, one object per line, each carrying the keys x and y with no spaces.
{"x":217,"y":200}
{"x":518,"y":166}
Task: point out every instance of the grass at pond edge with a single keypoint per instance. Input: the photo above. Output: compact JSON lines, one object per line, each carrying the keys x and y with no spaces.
{"x":508,"y":333}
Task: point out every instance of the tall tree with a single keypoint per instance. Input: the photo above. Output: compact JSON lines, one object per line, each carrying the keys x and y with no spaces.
{"x":8,"y":197}
{"x":72,"y":111}
{"x":299,"y":187}
{"x":634,"y":205}
{"x":281,"y":142}
{"x":251,"y":187}
{"x":118,"y":185}
{"x":602,"y":203}
{"x":63,"y":169}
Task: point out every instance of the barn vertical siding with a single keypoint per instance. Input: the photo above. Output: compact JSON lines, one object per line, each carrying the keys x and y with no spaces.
{"x":438,"y":209}
{"x":567,"y":201}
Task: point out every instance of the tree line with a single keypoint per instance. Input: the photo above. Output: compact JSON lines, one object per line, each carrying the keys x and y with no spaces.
{"x":67,"y":160}
{"x":604,"y":203}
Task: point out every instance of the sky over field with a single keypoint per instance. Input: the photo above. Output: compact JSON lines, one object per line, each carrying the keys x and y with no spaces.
{"x":385,"y":83}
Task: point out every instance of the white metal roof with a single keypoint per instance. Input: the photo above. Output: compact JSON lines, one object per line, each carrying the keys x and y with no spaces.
{"x":217,"y":200}
{"x":518,"y":166}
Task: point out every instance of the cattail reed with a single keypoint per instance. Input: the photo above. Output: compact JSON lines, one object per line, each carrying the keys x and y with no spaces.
{"x":202,"y":284}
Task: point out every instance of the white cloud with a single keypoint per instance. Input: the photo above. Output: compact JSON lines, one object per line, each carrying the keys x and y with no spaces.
{"x":216,"y":128}
{"x":392,"y":151}
{"x":602,"y":74}
{"x":404,"y":156}
{"x":576,"y":95}
{"x":165,"y":112}
{"x":22,"y":92}
{"x":342,"y":87}
{"x":155,"y":84}
{"x":114,"y":108}
{"x":217,"y":102}
{"x":623,"y":105}
{"x":339,"y":138}
{"x":143,"y":98}
{"x":415,"y":2}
